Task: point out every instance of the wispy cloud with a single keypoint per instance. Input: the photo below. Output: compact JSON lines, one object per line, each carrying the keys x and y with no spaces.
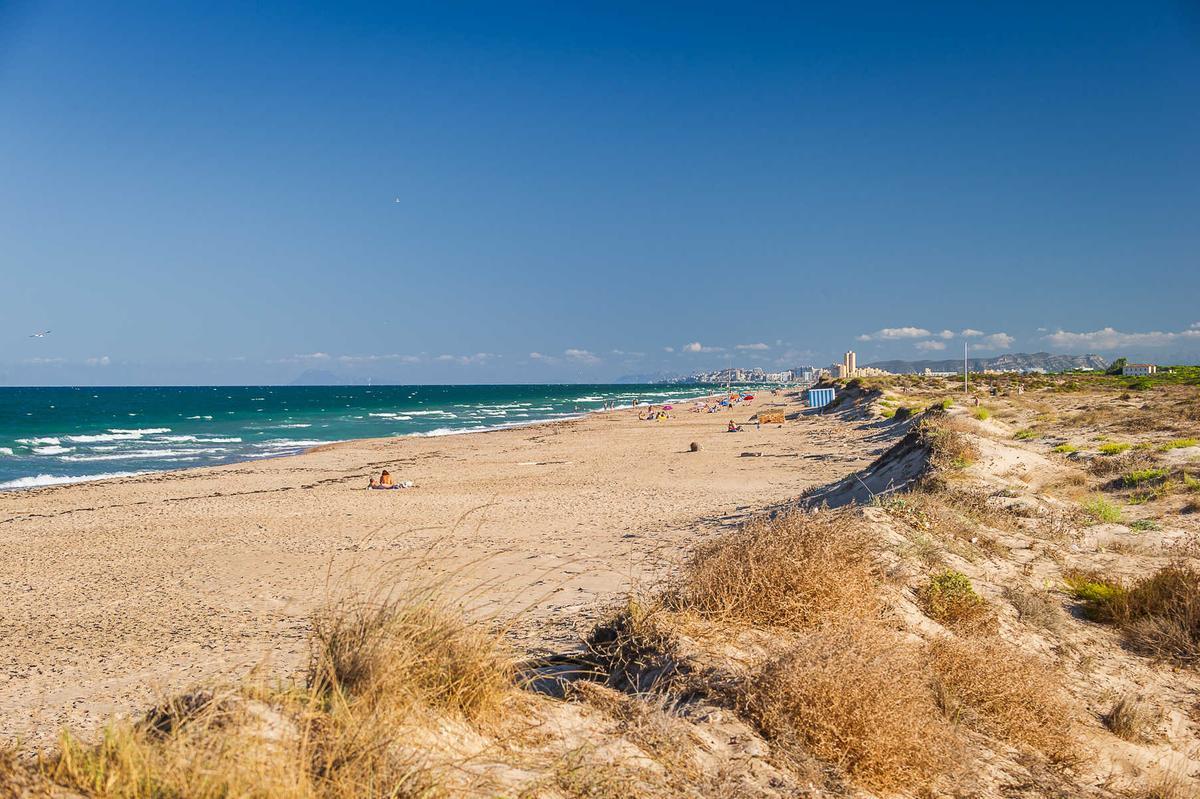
{"x":102,"y":360}
{"x":930,"y":345}
{"x":391,"y":357}
{"x":895,"y":334}
{"x":971,"y":333}
{"x":756,"y":346}
{"x":1111,"y":339}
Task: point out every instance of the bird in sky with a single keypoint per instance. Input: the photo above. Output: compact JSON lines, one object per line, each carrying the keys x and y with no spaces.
{"x":40,"y":334}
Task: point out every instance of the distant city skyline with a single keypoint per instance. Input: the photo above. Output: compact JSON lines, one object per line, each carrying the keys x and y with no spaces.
{"x":206,"y":193}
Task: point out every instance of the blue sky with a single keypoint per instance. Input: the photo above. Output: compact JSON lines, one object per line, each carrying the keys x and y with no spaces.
{"x":235,"y":192}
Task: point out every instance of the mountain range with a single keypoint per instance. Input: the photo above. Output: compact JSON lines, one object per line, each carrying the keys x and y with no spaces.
{"x":1013,"y":362}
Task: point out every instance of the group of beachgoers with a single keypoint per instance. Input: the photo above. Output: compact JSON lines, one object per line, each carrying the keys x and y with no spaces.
{"x":661,"y":415}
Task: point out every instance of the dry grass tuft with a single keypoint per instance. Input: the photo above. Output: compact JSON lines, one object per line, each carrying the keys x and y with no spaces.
{"x":1160,"y":615}
{"x":1133,"y":719}
{"x":797,"y":571}
{"x":996,"y":688}
{"x":1038,"y":608}
{"x":406,"y":652}
{"x":638,"y":648}
{"x":949,"y":448}
{"x":381,"y":676}
{"x":858,"y":698}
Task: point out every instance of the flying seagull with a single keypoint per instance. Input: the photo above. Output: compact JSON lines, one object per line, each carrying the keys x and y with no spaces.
{"x":41,"y":334}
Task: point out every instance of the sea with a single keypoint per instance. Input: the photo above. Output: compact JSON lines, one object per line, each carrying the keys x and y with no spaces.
{"x":50,"y":436}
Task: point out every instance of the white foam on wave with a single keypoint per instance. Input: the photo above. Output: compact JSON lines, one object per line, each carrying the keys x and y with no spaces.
{"x":432,"y":413}
{"x":90,"y":439}
{"x":289,"y":426}
{"x":52,"y":450}
{"x":201,"y":417}
{"x":36,"y":441}
{"x":6,"y":451}
{"x":144,"y":431}
{"x":288,"y":443}
{"x":144,"y":454}
{"x":37,"y":481}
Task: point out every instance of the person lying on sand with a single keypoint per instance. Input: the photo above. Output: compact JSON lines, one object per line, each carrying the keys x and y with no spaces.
{"x":385,"y":481}
{"x":733,"y":428}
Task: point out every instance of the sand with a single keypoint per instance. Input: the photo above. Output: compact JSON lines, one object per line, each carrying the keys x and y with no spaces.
{"x":119,"y":592}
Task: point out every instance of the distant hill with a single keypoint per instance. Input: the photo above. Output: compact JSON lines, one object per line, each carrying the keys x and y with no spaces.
{"x":1014,"y":362}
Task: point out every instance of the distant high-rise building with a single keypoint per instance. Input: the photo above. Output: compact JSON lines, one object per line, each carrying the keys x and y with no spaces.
{"x":850,"y":361}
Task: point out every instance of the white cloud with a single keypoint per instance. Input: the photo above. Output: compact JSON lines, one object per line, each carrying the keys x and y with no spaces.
{"x":946,"y":334}
{"x":894,"y":333}
{"x":930,"y":345}
{"x":668,"y":349}
{"x":971,"y":333}
{"x":756,"y":346}
{"x":466,"y":360}
{"x":580,"y":356}
{"x":696,"y":346}
{"x":1111,"y":339}
{"x":103,"y":360}
{"x":995,"y":341}
{"x":45,"y":361}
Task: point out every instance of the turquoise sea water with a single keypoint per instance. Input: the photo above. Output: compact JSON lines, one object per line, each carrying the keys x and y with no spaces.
{"x":63,"y":435}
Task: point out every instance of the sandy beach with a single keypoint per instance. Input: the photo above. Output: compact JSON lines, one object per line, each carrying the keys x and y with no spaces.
{"x":118,"y":592}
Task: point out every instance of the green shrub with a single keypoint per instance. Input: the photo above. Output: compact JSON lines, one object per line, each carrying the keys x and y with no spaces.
{"x":982,"y":414}
{"x":1101,"y":510}
{"x":1143,"y":524}
{"x":947,"y":403}
{"x":887,"y":413}
{"x":950,"y":598}
{"x":1022,"y":435}
{"x":1103,"y":599}
{"x":1066,"y":449}
{"x":1180,"y":443}
{"x":1138,"y":476}
{"x":1113,"y":448}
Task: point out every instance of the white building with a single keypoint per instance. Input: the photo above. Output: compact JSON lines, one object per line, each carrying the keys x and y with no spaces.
{"x":1139,"y":369}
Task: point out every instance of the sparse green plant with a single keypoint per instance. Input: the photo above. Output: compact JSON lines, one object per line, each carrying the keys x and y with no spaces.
{"x":1101,"y":510}
{"x":1066,"y":449}
{"x":1113,"y":448}
{"x":1024,"y":435}
{"x":982,"y":414}
{"x":1180,"y":443}
{"x":1142,"y":525}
